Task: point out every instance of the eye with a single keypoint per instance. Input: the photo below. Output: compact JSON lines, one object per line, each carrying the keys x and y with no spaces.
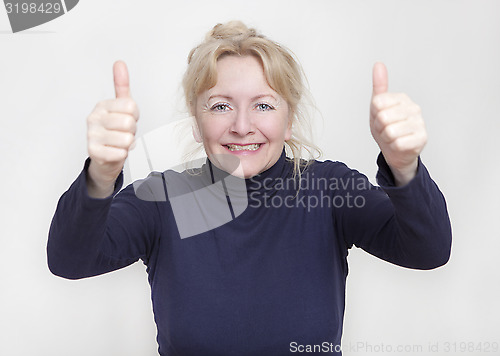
{"x":264,"y":107}
{"x":220,"y":107}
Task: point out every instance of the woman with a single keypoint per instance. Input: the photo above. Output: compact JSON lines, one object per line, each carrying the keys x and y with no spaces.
{"x":271,"y":279}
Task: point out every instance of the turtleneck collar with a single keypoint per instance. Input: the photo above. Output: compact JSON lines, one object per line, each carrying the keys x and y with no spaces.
{"x":262,"y":182}
{"x":267,"y":179}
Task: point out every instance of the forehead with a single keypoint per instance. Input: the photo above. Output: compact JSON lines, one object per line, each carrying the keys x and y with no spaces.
{"x":240,"y":75}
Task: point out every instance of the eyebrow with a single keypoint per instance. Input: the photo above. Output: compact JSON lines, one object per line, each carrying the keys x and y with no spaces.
{"x":260,"y":96}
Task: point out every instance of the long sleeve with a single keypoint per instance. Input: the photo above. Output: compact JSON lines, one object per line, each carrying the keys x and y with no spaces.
{"x":91,"y":236}
{"x":408,"y":226}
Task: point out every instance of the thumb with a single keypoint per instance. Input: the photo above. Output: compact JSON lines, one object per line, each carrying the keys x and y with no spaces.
{"x":120,"y":76}
{"x":380,"y":79}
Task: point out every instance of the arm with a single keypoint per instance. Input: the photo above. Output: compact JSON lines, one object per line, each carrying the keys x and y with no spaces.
{"x":91,"y":236}
{"x":407,"y":225}
{"x":92,"y":233}
{"x":405,"y":221}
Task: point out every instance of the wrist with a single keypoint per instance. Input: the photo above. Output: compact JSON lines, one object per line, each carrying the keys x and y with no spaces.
{"x":98,"y":187}
{"x":404,"y":175}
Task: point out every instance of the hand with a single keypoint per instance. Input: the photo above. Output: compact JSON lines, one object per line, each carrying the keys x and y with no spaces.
{"x":397,"y":126}
{"x":111,"y":131}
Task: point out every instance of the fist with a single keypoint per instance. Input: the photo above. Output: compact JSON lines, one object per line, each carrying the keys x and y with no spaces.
{"x":111,"y":131}
{"x":397,"y":126}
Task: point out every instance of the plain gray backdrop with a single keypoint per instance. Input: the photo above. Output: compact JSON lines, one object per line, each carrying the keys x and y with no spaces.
{"x":444,"y":54}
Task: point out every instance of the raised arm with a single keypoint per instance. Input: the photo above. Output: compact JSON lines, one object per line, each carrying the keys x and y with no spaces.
{"x":404,"y":221}
{"x":92,"y":231}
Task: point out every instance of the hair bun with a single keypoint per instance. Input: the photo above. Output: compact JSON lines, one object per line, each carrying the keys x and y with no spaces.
{"x":230,"y":30}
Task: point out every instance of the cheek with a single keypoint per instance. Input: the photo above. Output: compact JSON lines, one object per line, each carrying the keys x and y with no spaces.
{"x":211,"y":130}
{"x":277,"y":128}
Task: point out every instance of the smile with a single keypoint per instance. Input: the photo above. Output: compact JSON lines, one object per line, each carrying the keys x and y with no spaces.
{"x":252,"y":147}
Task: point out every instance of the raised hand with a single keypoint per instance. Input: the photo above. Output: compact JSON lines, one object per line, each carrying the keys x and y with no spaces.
{"x":397,"y":126}
{"x":111,"y":131}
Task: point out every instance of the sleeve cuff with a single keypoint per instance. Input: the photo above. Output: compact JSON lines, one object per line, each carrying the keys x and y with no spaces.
{"x":83,"y":178}
{"x":385,"y":178}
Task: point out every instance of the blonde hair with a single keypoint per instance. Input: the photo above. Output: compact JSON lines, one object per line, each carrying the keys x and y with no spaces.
{"x":282,"y":71}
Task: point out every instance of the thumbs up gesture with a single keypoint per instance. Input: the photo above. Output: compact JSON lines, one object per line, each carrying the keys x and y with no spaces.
{"x":111,"y":131}
{"x":397,"y":126}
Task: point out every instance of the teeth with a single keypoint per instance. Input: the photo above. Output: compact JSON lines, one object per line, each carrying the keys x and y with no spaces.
{"x":244,"y":148}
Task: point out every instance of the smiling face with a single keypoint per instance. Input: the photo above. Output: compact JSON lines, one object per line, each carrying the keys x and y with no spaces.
{"x":242,"y":117}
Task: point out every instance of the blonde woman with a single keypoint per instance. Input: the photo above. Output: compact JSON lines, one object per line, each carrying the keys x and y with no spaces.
{"x":271,"y":279}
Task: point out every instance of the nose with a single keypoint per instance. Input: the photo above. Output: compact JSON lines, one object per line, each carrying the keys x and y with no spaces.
{"x":242,"y":124}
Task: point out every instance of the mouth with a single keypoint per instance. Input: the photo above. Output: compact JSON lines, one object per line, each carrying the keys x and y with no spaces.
{"x":250,"y":147}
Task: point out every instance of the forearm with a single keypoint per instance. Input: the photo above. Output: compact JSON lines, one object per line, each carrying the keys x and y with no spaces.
{"x":76,"y":233}
{"x":421,"y":223}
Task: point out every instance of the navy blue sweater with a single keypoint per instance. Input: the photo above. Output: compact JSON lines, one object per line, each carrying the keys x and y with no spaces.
{"x":270,"y":281}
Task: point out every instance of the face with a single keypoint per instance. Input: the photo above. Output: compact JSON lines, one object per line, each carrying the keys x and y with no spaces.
{"x":241,"y":119}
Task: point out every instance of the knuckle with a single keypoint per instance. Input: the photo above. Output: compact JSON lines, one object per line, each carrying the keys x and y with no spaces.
{"x":92,"y":118}
{"x":135,"y":107}
{"x":91,"y":147}
{"x":93,"y":133}
{"x":96,"y":116}
{"x":417,"y":150}
{"x":397,"y":145}
{"x":381,"y":117}
{"x":128,"y":139}
{"x":403,"y":97}
{"x":94,"y":152}
{"x":130,"y":106}
{"x":389,"y":132}
{"x":100,"y":104}
{"x":424,"y":137}
{"x":413,"y":109}
{"x":122,"y":154}
{"x":377,"y":102}
{"x":129,"y":124}
{"x":377,"y":126}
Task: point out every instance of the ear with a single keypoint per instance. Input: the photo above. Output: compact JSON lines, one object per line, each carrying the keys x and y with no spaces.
{"x":196,"y":132}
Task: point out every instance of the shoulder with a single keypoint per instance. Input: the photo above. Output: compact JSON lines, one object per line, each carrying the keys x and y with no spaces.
{"x":333,"y":176}
{"x":159,"y":186}
{"x":328,"y":168}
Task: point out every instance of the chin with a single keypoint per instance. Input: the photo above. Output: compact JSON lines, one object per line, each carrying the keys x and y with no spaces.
{"x":241,"y":172}
{"x":248,"y":170}
{"x":239,"y":165}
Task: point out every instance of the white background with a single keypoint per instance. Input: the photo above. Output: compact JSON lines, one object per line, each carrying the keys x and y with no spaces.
{"x":444,"y":54}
